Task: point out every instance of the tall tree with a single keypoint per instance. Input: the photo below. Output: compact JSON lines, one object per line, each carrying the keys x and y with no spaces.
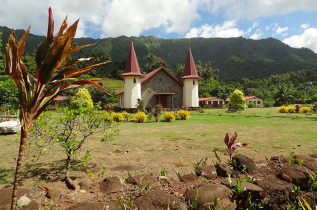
{"x":53,"y":76}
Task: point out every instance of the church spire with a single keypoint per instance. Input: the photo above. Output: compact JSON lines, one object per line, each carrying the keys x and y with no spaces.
{"x":190,"y":68}
{"x":132,"y":66}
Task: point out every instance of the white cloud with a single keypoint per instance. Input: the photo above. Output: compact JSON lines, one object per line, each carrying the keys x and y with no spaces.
{"x":307,"y":39}
{"x":254,"y":9}
{"x":304,"y":25}
{"x":226,"y":30}
{"x":257,"y":35}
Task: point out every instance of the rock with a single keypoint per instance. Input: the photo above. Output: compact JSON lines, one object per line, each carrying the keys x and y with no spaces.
{"x":279,"y":192}
{"x":111,"y":185}
{"x":308,"y":161}
{"x":247,"y":187}
{"x":298,"y":175}
{"x":84,"y":184}
{"x":32,"y":206}
{"x":9,"y":127}
{"x":314,"y":155}
{"x":160,"y":201}
{"x":207,"y":194}
{"x":127,"y":168}
{"x":23,"y":201}
{"x":144,"y":180}
{"x":112,"y":205}
{"x":223,"y":170}
{"x":6,"y":194}
{"x":209,"y":172}
{"x":188,"y":178}
{"x":86,"y":205}
{"x":244,"y":160}
{"x":53,"y":194}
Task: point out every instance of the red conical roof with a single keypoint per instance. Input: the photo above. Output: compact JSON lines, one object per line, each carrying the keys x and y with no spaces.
{"x":190,"y":68}
{"x":132,"y":66}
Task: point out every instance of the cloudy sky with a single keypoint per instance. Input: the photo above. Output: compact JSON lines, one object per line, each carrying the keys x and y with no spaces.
{"x":292,"y":21}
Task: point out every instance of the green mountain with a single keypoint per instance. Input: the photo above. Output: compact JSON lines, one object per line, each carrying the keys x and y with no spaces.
{"x":235,"y":57}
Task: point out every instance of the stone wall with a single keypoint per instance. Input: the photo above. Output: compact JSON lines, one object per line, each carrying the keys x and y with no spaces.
{"x":161,"y":82}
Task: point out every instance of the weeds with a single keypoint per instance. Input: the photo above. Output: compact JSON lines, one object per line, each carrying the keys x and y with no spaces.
{"x":178,"y":175}
{"x":294,"y":160}
{"x":123,"y":206}
{"x":194,"y":204}
{"x":238,"y":189}
{"x":128,"y":177}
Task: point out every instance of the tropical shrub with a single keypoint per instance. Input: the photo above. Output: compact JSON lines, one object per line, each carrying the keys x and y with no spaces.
{"x":182,"y":115}
{"x":305,"y":110}
{"x":237,"y":101}
{"x":315,"y":107}
{"x":82,"y":99}
{"x":140,"y":117}
{"x":282,"y":109}
{"x":117,"y":117}
{"x":251,"y":105}
{"x":291,"y":109}
{"x":268,"y":102}
{"x":168,"y":117}
{"x":157,"y":111}
{"x":125,"y":115}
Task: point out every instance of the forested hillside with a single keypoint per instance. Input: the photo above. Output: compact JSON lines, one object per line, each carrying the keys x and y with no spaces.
{"x":235,"y":58}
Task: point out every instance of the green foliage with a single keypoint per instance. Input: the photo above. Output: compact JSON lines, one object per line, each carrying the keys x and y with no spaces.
{"x":294,"y":160}
{"x":82,"y":99}
{"x":123,"y":206}
{"x":194,"y":204}
{"x":268,"y":102}
{"x":168,"y":117}
{"x":140,"y":117}
{"x":182,"y":115}
{"x":238,"y":189}
{"x":178,"y":175}
{"x":237,"y":101}
{"x":127,"y":178}
{"x":162,"y":172}
{"x":1,"y":58}
{"x":9,"y":95}
{"x":314,"y":98}
{"x":140,"y":105}
{"x":251,"y":105}
{"x":283,"y":95}
{"x":197,"y":166}
{"x":157,"y":111}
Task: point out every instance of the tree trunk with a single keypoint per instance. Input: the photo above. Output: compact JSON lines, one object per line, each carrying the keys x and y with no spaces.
{"x":24,"y":134}
{"x":68,"y":180}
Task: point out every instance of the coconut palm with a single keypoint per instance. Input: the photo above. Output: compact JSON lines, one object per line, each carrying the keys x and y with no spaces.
{"x":282,"y":95}
{"x":53,"y":76}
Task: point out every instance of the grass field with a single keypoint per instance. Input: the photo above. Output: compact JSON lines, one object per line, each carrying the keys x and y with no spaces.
{"x":176,"y":146}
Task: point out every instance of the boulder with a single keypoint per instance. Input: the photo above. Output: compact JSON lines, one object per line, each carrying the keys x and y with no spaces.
{"x":53,"y":194}
{"x":32,"y":206}
{"x":84,"y":184}
{"x":308,"y":161}
{"x":111,"y":185}
{"x":279,"y":192}
{"x":160,"y":201}
{"x":298,"y":175}
{"x":9,"y":127}
{"x":314,"y":155}
{"x":223,"y":170}
{"x":23,"y":201}
{"x":244,"y":160}
{"x":207,"y":194}
{"x":86,"y":205}
{"x":209,"y":172}
{"x":247,"y":187}
{"x":188,"y":178}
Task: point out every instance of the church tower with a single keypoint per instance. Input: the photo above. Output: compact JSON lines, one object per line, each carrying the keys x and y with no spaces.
{"x":190,"y":80}
{"x":132,"y":80}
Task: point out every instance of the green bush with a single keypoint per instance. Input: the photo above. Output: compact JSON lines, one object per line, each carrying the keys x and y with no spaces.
{"x":251,"y":105}
{"x":140,"y":117}
{"x":125,"y":115}
{"x":168,"y":117}
{"x":237,"y":101}
{"x":82,"y":99}
{"x":314,"y":98}
{"x":268,"y":103}
{"x":117,"y":117}
{"x":182,"y":115}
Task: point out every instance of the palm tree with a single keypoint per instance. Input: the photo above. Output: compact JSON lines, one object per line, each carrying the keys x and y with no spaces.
{"x":53,"y":76}
{"x":282,"y":95}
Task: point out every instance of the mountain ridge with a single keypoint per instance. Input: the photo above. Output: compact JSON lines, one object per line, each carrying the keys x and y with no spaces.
{"x":235,"y":57}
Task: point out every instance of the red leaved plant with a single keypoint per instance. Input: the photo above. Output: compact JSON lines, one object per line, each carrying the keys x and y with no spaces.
{"x":231,"y":144}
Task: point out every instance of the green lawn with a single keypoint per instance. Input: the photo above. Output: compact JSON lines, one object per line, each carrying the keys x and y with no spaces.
{"x":176,"y":146}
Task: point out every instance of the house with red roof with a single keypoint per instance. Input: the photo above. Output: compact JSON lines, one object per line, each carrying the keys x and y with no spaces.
{"x":251,"y":99}
{"x":158,"y":86}
{"x":212,"y":102}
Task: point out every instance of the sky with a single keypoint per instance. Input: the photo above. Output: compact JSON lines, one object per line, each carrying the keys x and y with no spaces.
{"x":294,"y":22}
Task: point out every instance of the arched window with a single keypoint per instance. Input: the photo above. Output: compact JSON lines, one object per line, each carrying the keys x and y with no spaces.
{"x":193,"y":82}
{"x":134,"y":80}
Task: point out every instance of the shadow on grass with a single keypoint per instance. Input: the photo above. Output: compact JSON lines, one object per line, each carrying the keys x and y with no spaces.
{"x":48,"y":172}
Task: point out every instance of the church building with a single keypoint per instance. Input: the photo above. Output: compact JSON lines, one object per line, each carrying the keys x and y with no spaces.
{"x":158,"y":86}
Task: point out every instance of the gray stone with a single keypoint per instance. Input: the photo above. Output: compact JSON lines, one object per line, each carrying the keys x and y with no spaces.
{"x":207,"y":194}
{"x":244,"y":160}
{"x":160,"y":201}
{"x":188,"y":178}
{"x":9,"y":127}
{"x":223,"y":170}
{"x":23,"y":201}
{"x":298,"y":175}
{"x":6,"y":194}
{"x":209,"y":172}
{"x":111,"y":185}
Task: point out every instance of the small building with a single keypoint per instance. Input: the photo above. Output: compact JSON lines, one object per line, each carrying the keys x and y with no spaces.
{"x":251,"y":99}
{"x":211,"y":102}
{"x":57,"y":103}
{"x":158,"y":86}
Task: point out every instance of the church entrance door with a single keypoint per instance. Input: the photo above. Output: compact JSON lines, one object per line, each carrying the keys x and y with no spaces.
{"x":161,"y":99}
